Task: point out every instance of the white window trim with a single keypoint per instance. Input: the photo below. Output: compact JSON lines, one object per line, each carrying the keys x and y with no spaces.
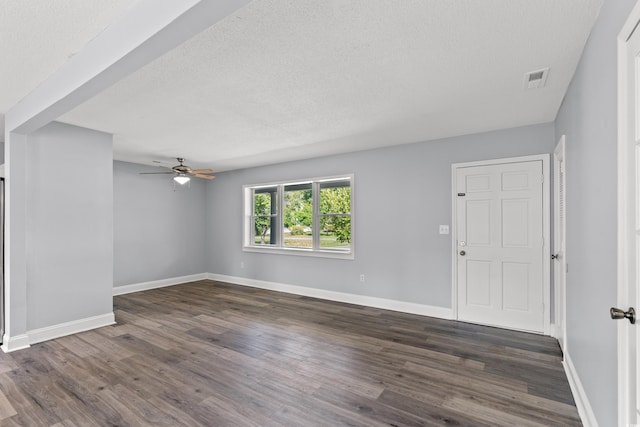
{"x":320,"y":253}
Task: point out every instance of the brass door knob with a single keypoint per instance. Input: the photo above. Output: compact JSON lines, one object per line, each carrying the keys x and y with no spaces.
{"x":617,"y":314}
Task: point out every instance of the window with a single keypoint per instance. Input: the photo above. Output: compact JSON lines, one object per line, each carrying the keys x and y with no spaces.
{"x":265,"y":215}
{"x":311,"y":217}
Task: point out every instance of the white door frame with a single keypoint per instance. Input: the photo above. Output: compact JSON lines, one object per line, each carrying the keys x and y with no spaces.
{"x":626,"y":177}
{"x":546,"y":239}
{"x":560,"y":292}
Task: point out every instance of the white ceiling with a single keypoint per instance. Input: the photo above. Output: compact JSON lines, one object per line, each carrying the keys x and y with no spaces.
{"x":38,"y":36}
{"x":287,"y":79}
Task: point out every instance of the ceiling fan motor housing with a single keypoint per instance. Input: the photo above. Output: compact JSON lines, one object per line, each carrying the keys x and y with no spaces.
{"x":182,"y":169}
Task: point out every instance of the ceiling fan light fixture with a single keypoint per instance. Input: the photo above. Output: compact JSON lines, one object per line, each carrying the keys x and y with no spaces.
{"x":181,"y":179}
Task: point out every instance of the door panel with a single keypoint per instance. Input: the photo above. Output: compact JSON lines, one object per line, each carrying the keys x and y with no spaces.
{"x":479,"y":230}
{"x":479,"y":283}
{"x":515,"y":288}
{"x":515,"y":220}
{"x":499,"y":245}
{"x":629,"y":225}
{"x":512,"y":181}
{"x":477,"y":183}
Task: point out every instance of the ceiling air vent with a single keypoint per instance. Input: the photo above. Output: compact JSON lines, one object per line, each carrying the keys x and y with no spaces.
{"x":536,"y":79}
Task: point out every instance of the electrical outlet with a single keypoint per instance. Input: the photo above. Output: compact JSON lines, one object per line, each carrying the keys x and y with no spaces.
{"x":241,"y":264}
{"x":444,"y":229}
{"x":362,"y":277}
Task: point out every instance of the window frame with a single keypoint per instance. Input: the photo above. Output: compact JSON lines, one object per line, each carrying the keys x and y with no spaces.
{"x":248,"y":237}
{"x":271,"y":215}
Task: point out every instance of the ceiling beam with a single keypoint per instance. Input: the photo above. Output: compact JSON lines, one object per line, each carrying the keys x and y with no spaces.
{"x":149,"y":29}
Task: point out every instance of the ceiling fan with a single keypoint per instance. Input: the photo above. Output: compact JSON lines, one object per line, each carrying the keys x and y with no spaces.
{"x":183,"y":173}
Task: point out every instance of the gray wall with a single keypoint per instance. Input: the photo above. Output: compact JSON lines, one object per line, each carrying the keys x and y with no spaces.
{"x":69,"y":225}
{"x":158,"y":231}
{"x":588,"y":117}
{"x":401,"y":195}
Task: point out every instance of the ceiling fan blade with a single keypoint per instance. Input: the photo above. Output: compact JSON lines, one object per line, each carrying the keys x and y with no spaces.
{"x":199,"y":175}
{"x":202,"y":171}
{"x":153,"y":173}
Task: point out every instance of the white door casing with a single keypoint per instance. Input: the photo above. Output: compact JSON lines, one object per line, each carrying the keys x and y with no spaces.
{"x":559,"y":243}
{"x":500,"y":241}
{"x":628,"y":216}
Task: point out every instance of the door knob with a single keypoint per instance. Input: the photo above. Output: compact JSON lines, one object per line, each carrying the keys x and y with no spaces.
{"x":630,"y":314}
{"x":554,"y":256}
{"x":462,"y":253}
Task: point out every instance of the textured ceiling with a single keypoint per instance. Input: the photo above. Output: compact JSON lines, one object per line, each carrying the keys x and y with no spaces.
{"x":38,"y":36}
{"x":286,"y":79}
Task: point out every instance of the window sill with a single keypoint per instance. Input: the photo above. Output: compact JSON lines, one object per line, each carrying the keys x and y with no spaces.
{"x":301,"y":252}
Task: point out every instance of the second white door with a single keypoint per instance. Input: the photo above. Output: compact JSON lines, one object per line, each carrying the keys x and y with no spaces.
{"x":499,"y":239}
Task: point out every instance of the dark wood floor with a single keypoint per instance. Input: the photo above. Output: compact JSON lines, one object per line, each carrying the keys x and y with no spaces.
{"x":213,"y":354}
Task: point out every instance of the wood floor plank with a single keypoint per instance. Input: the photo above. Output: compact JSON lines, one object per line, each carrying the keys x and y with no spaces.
{"x":211,"y":353}
{"x":6,"y":408}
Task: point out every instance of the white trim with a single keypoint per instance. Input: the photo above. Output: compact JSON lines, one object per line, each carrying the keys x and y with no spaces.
{"x":14,"y":343}
{"x":625,"y":381}
{"x":546,"y":220}
{"x":579,"y":395}
{"x":502,"y":161}
{"x":622,"y":264}
{"x":69,"y":328}
{"x":143,"y":286}
{"x":454,"y":242}
{"x":316,"y":251}
{"x":559,"y":155}
{"x":386,"y":304}
{"x":383,"y":303}
{"x":546,"y":246}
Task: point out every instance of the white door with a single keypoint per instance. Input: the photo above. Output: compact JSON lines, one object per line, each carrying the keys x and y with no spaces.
{"x":499,"y":237}
{"x":559,"y":246}
{"x":628,"y":218}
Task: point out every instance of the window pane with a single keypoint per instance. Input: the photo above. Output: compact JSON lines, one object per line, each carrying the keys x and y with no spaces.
{"x":335,"y":218}
{"x":265,"y":201}
{"x":335,"y":232}
{"x":265,"y":222}
{"x":298,"y":216}
{"x":335,"y":197}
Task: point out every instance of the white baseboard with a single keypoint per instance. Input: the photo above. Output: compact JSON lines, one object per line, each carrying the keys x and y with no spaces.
{"x":143,"y":286}
{"x":35,"y":336}
{"x":579,"y":395}
{"x":56,"y":331}
{"x":386,"y":304}
{"x":14,"y":343}
{"x":68,"y":328}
